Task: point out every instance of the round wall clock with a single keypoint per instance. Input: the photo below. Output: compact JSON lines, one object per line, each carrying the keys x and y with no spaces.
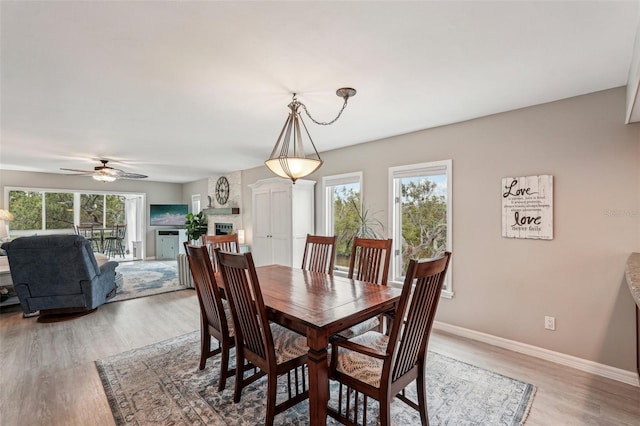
{"x":222,"y":190}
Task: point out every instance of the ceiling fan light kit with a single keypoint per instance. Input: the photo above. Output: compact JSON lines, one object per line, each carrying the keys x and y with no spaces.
{"x":104,"y":178}
{"x":288,"y":158}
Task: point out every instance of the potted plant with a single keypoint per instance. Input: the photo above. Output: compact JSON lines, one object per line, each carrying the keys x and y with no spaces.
{"x":368,"y":226}
{"x":196,"y":226}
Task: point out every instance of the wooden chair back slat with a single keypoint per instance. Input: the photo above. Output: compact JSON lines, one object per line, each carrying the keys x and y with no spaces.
{"x":319,"y":254}
{"x":370,"y":260}
{"x":227,"y":243}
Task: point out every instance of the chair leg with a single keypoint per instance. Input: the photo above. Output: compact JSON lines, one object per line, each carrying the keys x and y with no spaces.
{"x":422,"y":398}
{"x":205,"y":345}
{"x":224,"y":365}
{"x":385,"y":411}
{"x":239,"y":374}
{"x":272,"y":384}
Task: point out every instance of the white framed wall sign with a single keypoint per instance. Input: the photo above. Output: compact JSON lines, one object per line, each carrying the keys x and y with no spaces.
{"x":527,"y":207}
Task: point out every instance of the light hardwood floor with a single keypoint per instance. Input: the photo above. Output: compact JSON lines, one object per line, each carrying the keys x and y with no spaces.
{"x":48,"y":375}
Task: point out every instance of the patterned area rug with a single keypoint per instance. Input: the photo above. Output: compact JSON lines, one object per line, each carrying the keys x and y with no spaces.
{"x":161,"y":384}
{"x":147,"y":277}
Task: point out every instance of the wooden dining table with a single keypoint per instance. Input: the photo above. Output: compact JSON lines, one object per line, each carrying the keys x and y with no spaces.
{"x":318,"y":306}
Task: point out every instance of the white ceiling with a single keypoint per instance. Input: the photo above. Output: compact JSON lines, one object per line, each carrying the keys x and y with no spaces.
{"x":184,"y":90}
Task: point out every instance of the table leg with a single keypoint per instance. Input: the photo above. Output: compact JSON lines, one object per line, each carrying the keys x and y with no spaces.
{"x":317,"y":340}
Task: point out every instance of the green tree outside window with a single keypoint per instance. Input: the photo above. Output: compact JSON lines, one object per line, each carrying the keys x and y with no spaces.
{"x":58,"y":210}
{"x":98,"y":209}
{"x":26,"y":206}
{"x":424,"y":220}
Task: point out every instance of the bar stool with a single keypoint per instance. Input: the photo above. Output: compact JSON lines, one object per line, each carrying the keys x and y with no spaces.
{"x":114,"y":243}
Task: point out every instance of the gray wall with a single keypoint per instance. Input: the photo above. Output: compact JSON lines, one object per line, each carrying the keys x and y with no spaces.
{"x":156,"y":192}
{"x":198,"y":187}
{"x":505,"y":287}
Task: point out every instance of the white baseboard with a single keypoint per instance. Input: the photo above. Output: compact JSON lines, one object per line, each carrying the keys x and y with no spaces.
{"x":624,"y":376}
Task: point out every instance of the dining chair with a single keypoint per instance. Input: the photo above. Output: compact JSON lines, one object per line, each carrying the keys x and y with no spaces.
{"x":215,"y":313}
{"x":86,"y":231}
{"x":274,"y":349}
{"x":369,"y":262}
{"x":228,"y":243}
{"x":380,"y":366}
{"x":319,"y":254}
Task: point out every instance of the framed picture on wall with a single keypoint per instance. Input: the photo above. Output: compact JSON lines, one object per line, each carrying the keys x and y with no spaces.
{"x":527,"y":207}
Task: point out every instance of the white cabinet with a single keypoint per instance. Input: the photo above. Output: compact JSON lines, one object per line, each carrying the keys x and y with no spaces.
{"x":282,"y":215}
{"x":170,"y":242}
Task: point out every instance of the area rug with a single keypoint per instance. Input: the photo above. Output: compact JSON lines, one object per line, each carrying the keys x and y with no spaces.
{"x":161,"y":384}
{"x":147,"y":277}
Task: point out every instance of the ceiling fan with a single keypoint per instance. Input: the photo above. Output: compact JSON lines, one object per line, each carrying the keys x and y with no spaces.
{"x":106,"y":173}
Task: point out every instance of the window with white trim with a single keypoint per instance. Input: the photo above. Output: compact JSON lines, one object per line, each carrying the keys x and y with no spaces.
{"x":54,"y":210}
{"x":420,"y":215}
{"x":195,"y":203}
{"x":342,"y":198}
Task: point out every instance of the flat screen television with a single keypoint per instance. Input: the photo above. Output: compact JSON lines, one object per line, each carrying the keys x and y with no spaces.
{"x":168,"y":214}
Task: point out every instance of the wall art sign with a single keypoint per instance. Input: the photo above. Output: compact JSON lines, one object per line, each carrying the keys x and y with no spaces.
{"x":527,"y":207}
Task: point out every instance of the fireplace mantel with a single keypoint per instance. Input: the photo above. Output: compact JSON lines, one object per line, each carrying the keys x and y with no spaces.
{"x":221,"y":211}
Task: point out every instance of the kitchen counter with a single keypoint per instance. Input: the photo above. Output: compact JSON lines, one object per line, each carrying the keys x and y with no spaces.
{"x":633,"y":279}
{"x":633,"y":276}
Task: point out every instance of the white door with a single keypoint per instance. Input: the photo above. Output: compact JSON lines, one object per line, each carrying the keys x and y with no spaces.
{"x":281,"y":226}
{"x":261,"y":250}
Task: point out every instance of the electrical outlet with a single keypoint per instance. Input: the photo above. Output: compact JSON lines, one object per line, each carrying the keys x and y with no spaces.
{"x":549,"y":323}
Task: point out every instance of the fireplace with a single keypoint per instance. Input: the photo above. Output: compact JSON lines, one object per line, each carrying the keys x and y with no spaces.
{"x":223,"y":228}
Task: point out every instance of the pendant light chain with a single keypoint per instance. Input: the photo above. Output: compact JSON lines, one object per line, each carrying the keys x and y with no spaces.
{"x":323,"y":123}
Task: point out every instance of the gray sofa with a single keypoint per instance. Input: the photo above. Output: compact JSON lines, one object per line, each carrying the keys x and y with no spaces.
{"x":57,"y":274}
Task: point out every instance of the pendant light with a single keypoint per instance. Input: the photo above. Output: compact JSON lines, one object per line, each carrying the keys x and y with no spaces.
{"x":288,"y":158}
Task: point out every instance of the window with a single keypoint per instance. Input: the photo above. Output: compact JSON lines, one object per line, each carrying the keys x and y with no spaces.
{"x":420,"y":215}
{"x":58,"y":210}
{"x":195,"y":203}
{"x":342,"y":200}
{"x":26,"y":207}
{"x":91,"y":208}
{"x":114,"y":211}
{"x":44,"y":210}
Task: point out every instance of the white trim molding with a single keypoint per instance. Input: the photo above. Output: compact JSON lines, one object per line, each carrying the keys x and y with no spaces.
{"x":624,"y":376}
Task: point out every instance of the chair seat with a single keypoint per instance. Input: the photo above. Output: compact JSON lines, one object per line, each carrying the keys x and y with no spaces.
{"x":361,"y":328}
{"x":227,"y":313}
{"x":363,"y":367}
{"x":288,"y":344}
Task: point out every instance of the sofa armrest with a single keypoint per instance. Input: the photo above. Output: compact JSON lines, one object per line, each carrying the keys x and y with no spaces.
{"x":109,"y":267}
{"x":102,"y":287}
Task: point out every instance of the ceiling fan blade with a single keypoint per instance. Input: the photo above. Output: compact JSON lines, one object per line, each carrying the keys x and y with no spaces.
{"x":126,"y":175}
{"x":87,"y":172}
